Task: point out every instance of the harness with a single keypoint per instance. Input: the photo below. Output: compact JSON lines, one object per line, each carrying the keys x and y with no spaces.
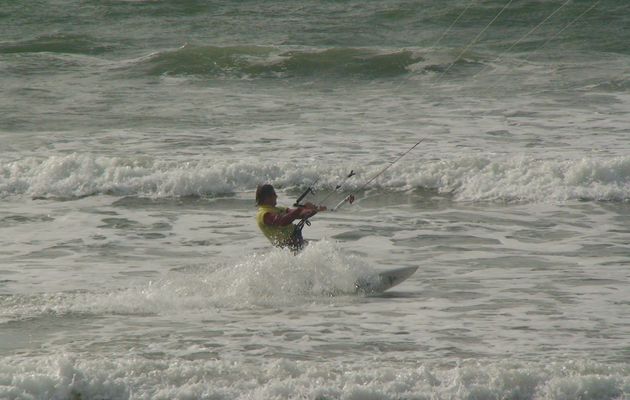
{"x":297,"y":240}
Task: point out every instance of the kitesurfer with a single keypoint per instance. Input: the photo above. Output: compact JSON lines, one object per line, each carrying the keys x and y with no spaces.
{"x":276,"y":223}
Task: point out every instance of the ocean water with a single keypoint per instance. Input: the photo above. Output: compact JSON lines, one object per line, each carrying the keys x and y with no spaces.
{"x":133,"y":135}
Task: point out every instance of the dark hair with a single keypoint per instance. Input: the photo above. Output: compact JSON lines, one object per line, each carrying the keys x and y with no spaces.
{"x":262,"y":192}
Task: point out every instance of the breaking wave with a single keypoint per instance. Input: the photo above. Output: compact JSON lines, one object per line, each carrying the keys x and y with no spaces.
{"x":466,"y":178}
{"x":67,"y":376}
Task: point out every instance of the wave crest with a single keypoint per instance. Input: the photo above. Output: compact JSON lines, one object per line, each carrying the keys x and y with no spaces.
{"x":478,"y":178}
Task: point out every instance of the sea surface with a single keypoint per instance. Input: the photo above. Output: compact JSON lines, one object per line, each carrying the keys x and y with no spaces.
{"x":133,"y":135}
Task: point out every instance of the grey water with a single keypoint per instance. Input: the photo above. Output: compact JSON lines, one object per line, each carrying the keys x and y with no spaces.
{"x":133,"y":135}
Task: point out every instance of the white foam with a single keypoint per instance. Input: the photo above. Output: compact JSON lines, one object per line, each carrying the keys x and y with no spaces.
{"x":523,"y":178}
{"x":470,"y":178}
{"x":277,"y":278}
{"x":71,"y":376}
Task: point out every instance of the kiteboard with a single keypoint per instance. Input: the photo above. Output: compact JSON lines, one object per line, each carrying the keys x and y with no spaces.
{"x":381,"y":281}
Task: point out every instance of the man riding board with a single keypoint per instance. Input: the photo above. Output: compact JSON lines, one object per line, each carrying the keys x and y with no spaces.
{"x":276,"y":223}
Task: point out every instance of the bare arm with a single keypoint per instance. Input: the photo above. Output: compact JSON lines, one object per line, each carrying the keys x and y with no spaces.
{"x":273,"y":219}
{"x":307,"y":211}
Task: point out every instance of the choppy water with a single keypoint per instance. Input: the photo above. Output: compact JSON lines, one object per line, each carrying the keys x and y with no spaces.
{"x":133,"y":135}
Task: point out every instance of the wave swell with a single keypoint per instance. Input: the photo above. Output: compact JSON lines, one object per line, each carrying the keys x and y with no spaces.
{"x":56,"y":43}
{"x":269,"y":62}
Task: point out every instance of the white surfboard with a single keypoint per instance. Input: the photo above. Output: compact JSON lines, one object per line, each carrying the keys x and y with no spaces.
{"x":381,"y":281}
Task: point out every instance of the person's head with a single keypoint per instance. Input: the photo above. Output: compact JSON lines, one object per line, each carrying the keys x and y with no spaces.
{"x":265,"y":194}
